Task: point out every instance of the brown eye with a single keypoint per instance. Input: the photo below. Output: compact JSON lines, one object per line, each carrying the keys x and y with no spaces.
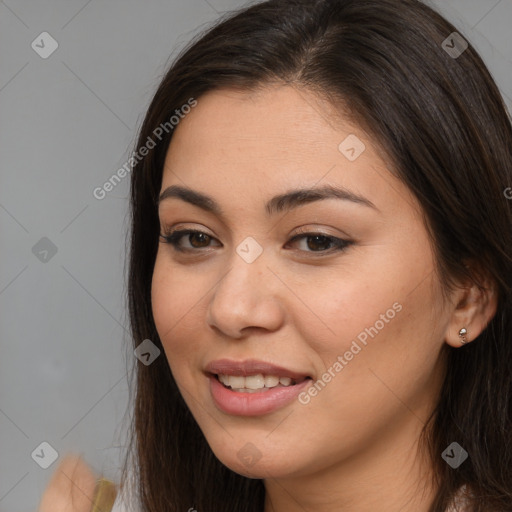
{"x":196,"y":239}
{"x":189,"y":240}
{"x":202,"y":239}
{"x":320,"y":243}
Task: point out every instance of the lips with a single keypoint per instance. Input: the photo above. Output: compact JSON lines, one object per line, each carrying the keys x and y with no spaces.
{"x":236,"y":386}
{"x":252,"y":367}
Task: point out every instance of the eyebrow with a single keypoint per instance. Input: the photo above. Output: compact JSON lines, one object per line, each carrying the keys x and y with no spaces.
{"x":279,"y":203}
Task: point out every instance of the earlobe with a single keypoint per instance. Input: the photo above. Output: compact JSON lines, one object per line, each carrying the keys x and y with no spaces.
{"x":462,"y":336}
{"x":474,"y":310}
{"x":459,"y":337}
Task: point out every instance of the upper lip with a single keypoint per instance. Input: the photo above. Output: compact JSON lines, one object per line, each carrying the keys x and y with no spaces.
{"x":251,"y":367}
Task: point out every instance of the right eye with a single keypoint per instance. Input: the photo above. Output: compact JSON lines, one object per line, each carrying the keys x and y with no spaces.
{"x":196,"y":239}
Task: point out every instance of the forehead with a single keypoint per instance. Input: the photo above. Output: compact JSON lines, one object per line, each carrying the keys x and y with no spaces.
{"x":269,"y":141}
{"x":279,"y":120}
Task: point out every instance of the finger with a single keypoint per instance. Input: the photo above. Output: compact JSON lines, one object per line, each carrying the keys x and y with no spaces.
{"x":71,"y":488}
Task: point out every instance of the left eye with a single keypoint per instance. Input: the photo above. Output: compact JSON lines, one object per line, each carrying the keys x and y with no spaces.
{"x":315,"y":242}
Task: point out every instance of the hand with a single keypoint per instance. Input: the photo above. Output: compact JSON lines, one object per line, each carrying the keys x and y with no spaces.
{"x":71,"y":488}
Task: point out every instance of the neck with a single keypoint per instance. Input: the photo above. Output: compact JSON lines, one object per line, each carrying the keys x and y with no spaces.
{"x":390,"y":474}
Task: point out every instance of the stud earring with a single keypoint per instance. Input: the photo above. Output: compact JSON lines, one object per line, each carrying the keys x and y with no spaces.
{"x":462,"y":336}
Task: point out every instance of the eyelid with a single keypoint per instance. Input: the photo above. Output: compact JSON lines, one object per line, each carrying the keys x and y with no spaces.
{"x":318,"y":231}
{"x":183,"y":226}
{"x":174,"y":236}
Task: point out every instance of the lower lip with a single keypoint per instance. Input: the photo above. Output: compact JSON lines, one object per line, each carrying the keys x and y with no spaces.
{"x":253,"y":404}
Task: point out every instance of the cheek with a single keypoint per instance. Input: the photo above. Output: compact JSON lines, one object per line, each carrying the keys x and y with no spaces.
{"x":383,"y":319}
{"x":385,"y":345}
{"x":176,"y":298}
{"x":387,"y":370}
{"x":347,"y":304}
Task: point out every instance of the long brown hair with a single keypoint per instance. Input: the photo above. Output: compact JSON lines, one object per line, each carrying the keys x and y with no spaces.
{"x":441,"y":121}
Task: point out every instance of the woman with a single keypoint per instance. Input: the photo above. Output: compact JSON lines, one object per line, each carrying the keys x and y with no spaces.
{"x":320,"y":250}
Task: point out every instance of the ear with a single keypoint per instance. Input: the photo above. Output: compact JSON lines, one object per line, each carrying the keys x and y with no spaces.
{"x":474,"y":308}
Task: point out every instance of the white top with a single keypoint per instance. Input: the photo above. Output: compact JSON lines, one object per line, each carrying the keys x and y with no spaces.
{"x":120,"y":504}
{"x":125,"y":498}
{"x":117,"y":505}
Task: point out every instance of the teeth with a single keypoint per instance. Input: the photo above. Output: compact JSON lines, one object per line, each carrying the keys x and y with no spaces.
{"x":224,"y":379}
{"x":251,"y":383}
{"x":271,"y":381}
{"x":235,"y":381}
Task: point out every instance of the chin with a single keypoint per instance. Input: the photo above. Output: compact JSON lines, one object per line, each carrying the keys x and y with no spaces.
{"x":260,"y":470}
{"x":252,"y":460}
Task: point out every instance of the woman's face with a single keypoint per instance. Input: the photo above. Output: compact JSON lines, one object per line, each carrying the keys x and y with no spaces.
{"x":353,"y":310}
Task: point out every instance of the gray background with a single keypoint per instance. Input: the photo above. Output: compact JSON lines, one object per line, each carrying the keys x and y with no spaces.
{"x":67,"y":123}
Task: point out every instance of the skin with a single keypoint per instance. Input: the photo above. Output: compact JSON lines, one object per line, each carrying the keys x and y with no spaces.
{"x":354,"y":446}
{"x":71,"y":488}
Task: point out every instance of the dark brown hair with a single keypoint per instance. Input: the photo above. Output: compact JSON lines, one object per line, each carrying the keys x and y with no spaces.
{"x":442,"y":123}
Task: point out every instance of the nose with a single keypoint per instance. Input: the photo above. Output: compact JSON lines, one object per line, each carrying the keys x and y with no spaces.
{"x":246,"y":298}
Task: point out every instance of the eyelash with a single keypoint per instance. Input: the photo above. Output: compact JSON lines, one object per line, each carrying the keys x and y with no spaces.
{"x":174,"y":237}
